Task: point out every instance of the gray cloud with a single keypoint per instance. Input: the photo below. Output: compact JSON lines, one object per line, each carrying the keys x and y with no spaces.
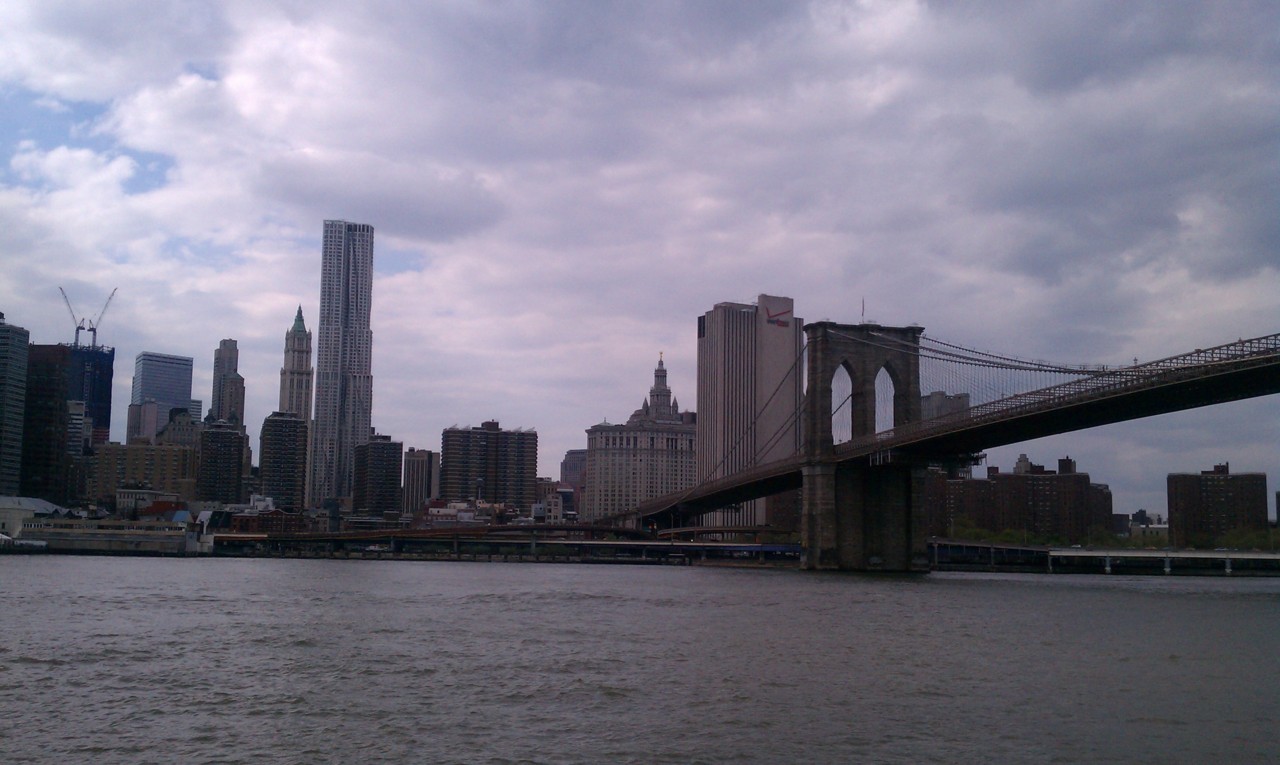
{"x":567,"y":186}
{"x":407,"y":201}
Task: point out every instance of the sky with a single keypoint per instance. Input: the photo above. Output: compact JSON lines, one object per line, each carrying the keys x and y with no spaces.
{"x":559,"y":190}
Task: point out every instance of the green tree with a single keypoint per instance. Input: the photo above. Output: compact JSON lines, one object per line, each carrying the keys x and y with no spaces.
{"x":1246,"y":539}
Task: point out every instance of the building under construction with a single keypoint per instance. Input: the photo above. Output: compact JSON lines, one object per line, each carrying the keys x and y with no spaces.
{"x":89,"y":373}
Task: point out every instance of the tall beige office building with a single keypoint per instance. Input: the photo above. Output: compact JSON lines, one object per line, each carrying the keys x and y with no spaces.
{"x":651,"y":455}
{"x":750,"y":387}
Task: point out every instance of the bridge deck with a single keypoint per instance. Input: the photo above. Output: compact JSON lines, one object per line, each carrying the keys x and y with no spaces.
{"x":1231,"y":372}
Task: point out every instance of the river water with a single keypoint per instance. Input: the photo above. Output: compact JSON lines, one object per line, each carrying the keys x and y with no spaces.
{"x":136,"y":660}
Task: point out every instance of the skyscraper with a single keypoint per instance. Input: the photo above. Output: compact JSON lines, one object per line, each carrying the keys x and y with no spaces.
{"x":220,"y":475}
{"x":89,"y":380}
{"x":1207,"y":505}
{"x":421,"y":478}
{"x":573,"y":474}
{"x":649,"y":456}
{"x":344,"y":377}
{"x":489,"y":464}
{"x":296,"y":375}
{"x":14,"y":343}
{"x":283,"y":457}
{"x":749,"y":392}
{"x":377,"y":476}
{"x":228,"y":385}
{"x":46,"y":465}
{"x":165,"y":380}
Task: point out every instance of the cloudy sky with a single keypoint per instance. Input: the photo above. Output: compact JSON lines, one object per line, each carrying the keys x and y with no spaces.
{"x":560,"y":189}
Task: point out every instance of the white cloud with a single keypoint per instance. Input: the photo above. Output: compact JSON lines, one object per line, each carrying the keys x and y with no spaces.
{"x":97,"y":51}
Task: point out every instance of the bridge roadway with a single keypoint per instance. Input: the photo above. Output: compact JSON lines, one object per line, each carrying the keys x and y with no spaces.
{"x":525,"y":542}
{"x":366,"y":536}
{"x":521,"y":543}
{"x":1232,"y":372}
{"x":965,"y":555}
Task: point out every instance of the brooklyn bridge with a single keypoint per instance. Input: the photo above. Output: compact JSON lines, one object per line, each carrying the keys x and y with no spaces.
{"x":861,"y":477}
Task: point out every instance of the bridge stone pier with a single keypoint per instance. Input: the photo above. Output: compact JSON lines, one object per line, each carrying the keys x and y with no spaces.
{"x":861,"y":515}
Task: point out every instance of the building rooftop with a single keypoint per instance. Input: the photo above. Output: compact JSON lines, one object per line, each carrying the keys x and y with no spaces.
{"x":31,"y":505}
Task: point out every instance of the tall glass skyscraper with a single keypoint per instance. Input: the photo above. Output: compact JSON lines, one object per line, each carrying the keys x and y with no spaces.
{"x":13,"y":396}
{"x":165,"y":380}
{"x":344,"y":359}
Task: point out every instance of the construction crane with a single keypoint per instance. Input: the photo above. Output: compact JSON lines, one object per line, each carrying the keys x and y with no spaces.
{"x":84,"y":323}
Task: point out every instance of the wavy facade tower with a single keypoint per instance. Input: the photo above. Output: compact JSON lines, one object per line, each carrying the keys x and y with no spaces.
{"x":344,"y":359}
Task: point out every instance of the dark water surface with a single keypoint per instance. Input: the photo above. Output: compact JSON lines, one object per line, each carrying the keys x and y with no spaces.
{"x":125,"y":660}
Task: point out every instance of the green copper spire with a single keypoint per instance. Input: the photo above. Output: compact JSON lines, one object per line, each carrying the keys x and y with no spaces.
{"x":298,"y":326}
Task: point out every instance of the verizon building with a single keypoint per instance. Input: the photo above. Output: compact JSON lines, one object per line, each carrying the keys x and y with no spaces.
{"x":750,"y":385}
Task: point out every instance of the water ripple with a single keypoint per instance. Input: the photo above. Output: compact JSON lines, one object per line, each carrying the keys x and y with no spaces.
{"x":314,"y":661}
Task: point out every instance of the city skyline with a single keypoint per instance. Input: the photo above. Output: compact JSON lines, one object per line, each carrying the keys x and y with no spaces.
{"x":1098,"y":191}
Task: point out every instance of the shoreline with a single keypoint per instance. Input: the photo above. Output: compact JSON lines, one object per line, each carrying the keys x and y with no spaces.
{"x":1204,"y":571}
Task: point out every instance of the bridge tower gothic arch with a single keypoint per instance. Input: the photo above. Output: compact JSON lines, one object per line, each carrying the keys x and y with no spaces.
{"x":861,"y":515}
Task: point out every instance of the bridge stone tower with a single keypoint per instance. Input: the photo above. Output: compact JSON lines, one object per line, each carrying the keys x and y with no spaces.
{"x":861,"y":515}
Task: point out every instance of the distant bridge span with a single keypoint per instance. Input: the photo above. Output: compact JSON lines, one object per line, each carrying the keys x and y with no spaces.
{"x":1231,"y":372}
